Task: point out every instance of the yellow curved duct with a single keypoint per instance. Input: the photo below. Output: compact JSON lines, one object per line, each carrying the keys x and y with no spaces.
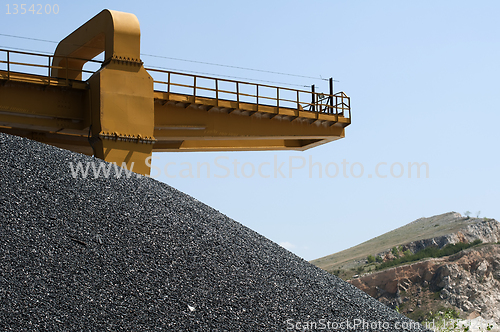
{"x":116,"y":33}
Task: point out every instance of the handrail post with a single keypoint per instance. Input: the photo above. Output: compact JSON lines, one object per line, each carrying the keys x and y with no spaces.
{"x":313,"y":99}
{"x":48,"y":71}
{"x":349,"y":106}
{"x":331,"y":95}
{"x":217,"y":92}
{"x":257,"y":92}
{"x":278,"y":98}
{"x":337,"y":105}
{"x":8,"y":65}
{"x":298,"y":103}
{"x":194,"y":87}
{"x":168,"y":84}
{"x":344,"y":106}
{"x":238,"y":94}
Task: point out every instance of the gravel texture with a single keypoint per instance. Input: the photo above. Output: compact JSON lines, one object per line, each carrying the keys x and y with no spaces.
{"x":118,"y":254}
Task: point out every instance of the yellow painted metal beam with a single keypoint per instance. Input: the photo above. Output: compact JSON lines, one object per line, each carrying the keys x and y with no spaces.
{"x":202,"y":145}
{"x":117,"y":115}
{"x":45,"y":108}
{"x":190,"y":127}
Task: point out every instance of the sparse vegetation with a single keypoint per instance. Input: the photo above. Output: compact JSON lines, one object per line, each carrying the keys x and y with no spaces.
{"x":337,"y":272}
{"x":446,"y":320}
{"x":434,"y":252}
{"x":395,"y":252}
{"x":415,"y":231}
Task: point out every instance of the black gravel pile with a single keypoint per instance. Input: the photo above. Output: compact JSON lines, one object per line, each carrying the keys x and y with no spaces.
{"x":111,"y":254}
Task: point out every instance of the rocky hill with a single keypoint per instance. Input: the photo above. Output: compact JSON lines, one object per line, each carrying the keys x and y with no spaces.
{"x":440,"y":230}
{"x":466,"y":282}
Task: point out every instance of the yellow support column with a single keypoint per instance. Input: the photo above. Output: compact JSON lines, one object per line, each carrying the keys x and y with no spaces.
{"x":122,"y":96}
{"x":122,"y":110}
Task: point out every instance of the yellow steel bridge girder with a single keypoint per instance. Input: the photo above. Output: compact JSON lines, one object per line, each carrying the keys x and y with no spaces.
{"x":118,"y":116}
{"x":193,"y":128}
{"x":46,"y":113}
{"x":46,"y":108}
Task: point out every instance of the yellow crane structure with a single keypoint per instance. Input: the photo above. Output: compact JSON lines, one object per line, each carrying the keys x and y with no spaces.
{"x":121,"y":114}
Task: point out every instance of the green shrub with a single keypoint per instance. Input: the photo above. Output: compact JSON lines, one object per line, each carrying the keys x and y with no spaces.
{"x":370,"y":259}
{"x":380,"y":260}
{"x":444,"y":320}
{"x":433,"y":252}
{"x":436,"y":295}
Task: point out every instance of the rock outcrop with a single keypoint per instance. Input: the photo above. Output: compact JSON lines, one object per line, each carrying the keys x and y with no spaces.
{"x":484,"y":229}
{"x":468,"y":280}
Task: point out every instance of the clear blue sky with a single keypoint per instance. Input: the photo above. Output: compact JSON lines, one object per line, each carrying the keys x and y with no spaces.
{"x":423,"y":82}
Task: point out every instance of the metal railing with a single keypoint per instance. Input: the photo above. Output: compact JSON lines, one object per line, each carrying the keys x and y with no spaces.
{"x":37,"y":68}
{"x":189,"y":84}
{"x":254,"y":93}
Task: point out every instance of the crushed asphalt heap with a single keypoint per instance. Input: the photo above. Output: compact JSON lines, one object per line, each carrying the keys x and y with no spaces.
{"x":134,"y":254}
